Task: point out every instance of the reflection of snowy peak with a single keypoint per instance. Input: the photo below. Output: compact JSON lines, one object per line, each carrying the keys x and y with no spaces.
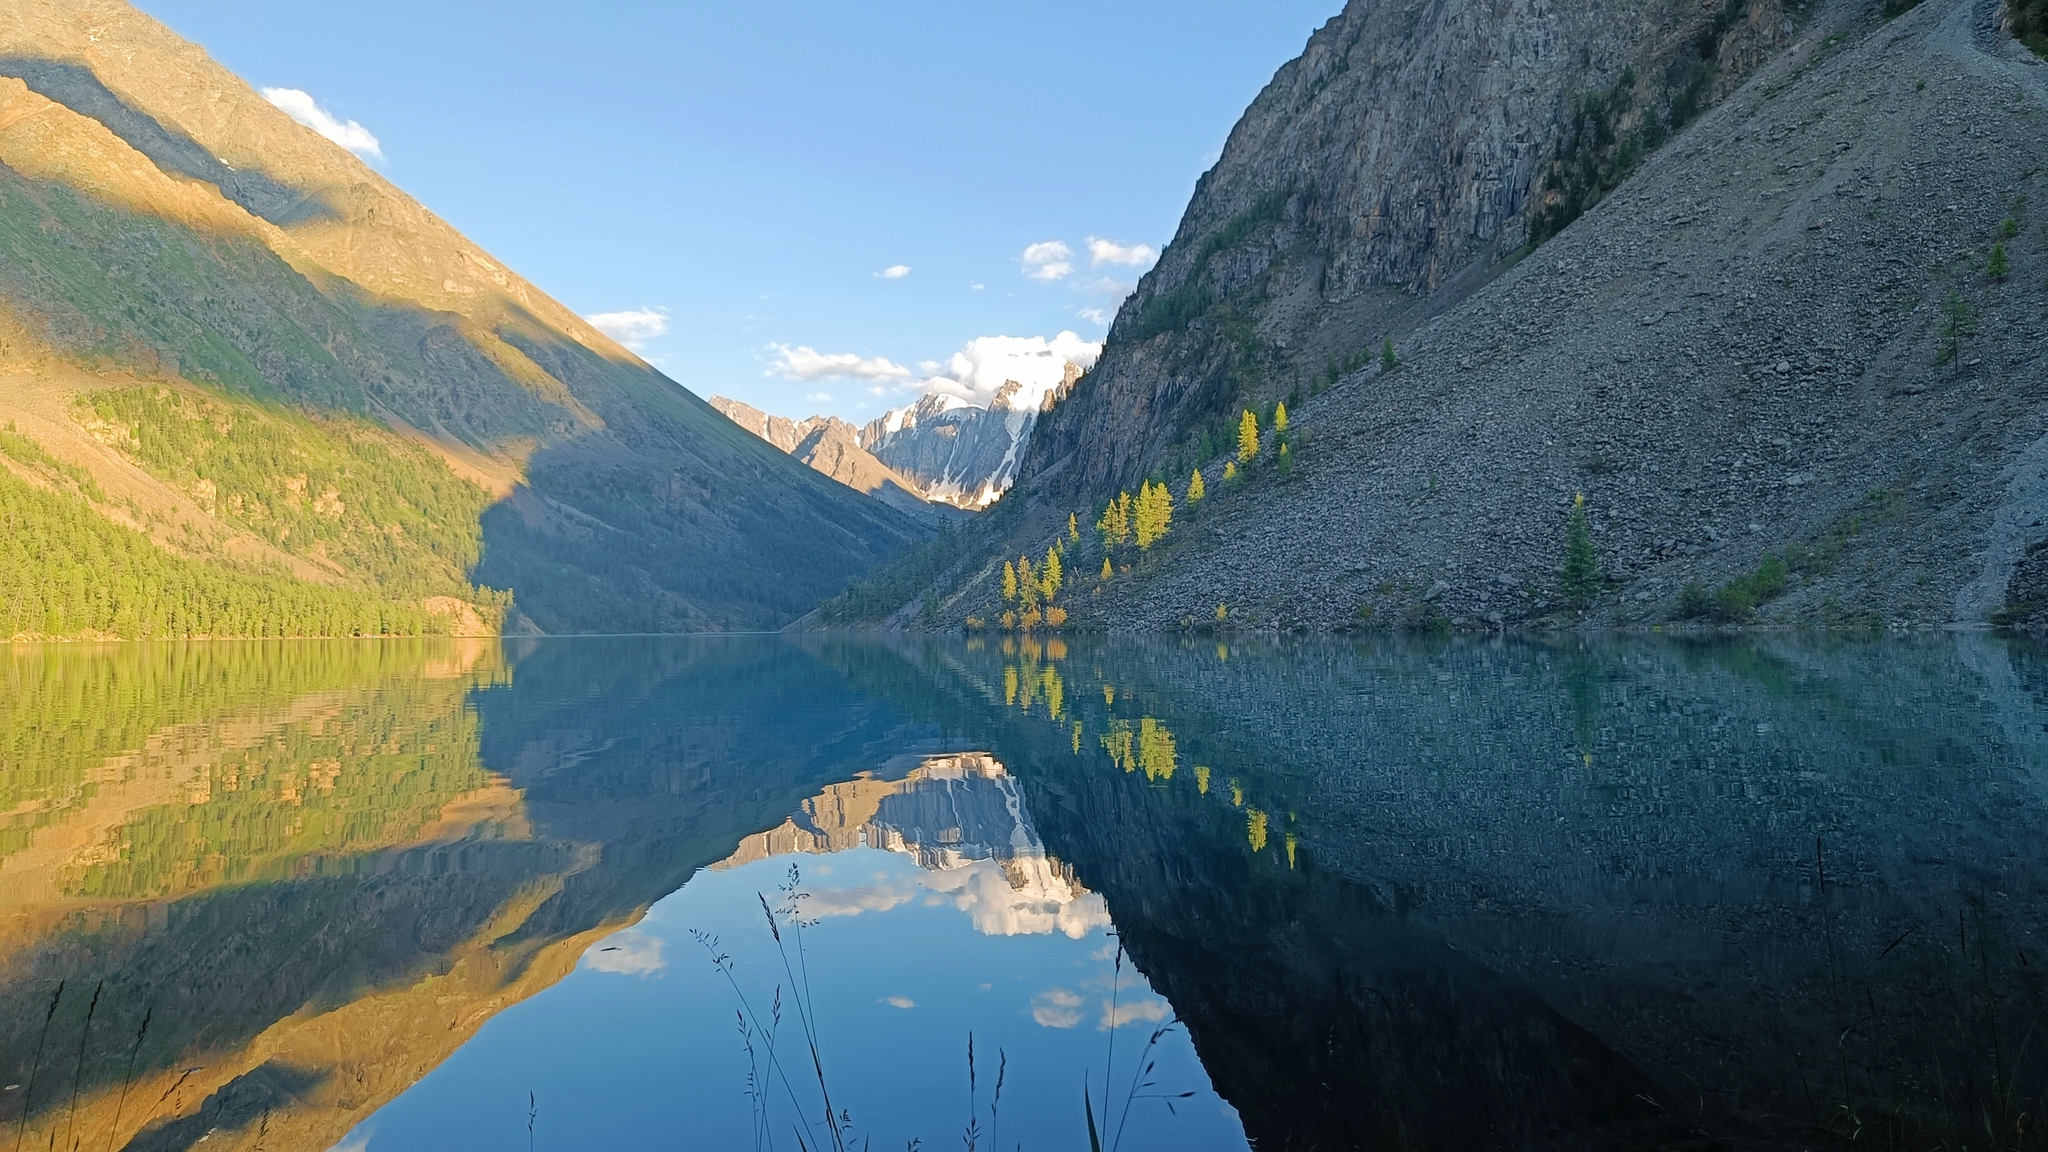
{"x":959,"y":452}
{"x":963,"y":820}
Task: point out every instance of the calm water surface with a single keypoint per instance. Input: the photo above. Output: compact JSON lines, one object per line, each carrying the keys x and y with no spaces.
{"x":567,"y":894}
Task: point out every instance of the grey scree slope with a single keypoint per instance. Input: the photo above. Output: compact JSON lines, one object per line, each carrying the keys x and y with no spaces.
{"x":1733,"y":354}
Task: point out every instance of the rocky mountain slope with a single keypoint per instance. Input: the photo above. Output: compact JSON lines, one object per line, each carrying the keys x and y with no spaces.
{"x":1796,"y":360}
{"x":833,"y":447}
{"x":965,"y":454}
{"x":177,"y":255}
{"x":942,"y":449}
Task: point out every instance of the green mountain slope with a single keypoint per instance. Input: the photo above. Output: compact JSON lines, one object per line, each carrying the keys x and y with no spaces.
{"x":273,"y":364}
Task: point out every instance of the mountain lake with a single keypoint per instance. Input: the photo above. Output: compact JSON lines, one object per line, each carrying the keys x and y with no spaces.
{"x":852,"y":892}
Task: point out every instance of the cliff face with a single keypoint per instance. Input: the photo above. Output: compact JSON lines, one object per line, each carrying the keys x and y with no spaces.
{"x":162,"y":226}
{"x":1793,"y":361}
{"x":1379,"y":177}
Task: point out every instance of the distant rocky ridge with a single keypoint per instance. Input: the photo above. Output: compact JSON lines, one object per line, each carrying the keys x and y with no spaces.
{"x":962,"y":453}
{"x":833,"y":447}
{"x":942,"y":448}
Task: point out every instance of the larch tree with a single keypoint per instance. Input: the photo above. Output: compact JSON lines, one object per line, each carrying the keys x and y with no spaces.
{"x":1073,"y":527}
{"x":1280,"y":420}
{"x":1247,"y":437}
{"x":1052,"y":575}
{"x":1196,"y":490}
{"x":1009,"y":580}
{"x":1107,"y":571}
{"x":1115,"y":524}
{"x":1027,"y":583}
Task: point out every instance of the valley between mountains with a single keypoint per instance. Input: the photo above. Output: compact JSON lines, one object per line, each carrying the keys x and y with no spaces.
{"x":1488,"y":317}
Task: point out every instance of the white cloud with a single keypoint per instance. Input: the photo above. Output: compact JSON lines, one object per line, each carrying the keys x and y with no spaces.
{"x":633,"y":329}
{"x":804,"y":362}
{"x":302,"y":107}
{"x":1056,"y":1008}
{"x":818,"y":397}
{"x":1094,"y":316}
{"x":823,"y":902}
{"x":894,"y":272}
{"x":1108,"y":286}
{"x":977,"y":287}
{"x":1147,"y":1010}
{"x":899,"y":1001}
{"x":1102,"y":252}
{"x":627,"y":953}
{"x":1048,"y":260}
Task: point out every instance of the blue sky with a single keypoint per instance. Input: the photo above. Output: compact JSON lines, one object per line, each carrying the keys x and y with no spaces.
{"x":752,"y":172}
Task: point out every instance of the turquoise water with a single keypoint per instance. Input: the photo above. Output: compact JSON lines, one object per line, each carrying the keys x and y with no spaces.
{"x":1772,"y":892}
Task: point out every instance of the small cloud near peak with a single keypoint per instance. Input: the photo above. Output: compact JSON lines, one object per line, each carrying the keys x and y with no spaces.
{"x":634,"y":328}
{"x":1048,"y":260}
{"x":804,"y":362}
{"x":893,"y":272}
{"x":1102,"y":252}
{"x":300,"y":105}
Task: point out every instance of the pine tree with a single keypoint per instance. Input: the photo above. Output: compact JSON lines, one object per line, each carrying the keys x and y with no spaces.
{"x":1009,"y":581}
{"x":1053,"y":575}
{"x":1280,"y":420}
{"x":1581,"y":563}
{"x":1195,"y":488}
{"x":1247,"y":437}
{"x":1286,"y":460}
{"x":1387,"y":361}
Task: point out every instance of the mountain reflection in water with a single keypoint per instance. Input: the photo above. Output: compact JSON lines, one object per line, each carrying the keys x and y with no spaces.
{"x":1773,"y":892}
{"x":960,"y":817}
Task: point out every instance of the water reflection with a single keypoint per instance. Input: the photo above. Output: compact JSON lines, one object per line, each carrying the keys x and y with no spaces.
{"x":962,"y":818}
{"x":1771,"y":892}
